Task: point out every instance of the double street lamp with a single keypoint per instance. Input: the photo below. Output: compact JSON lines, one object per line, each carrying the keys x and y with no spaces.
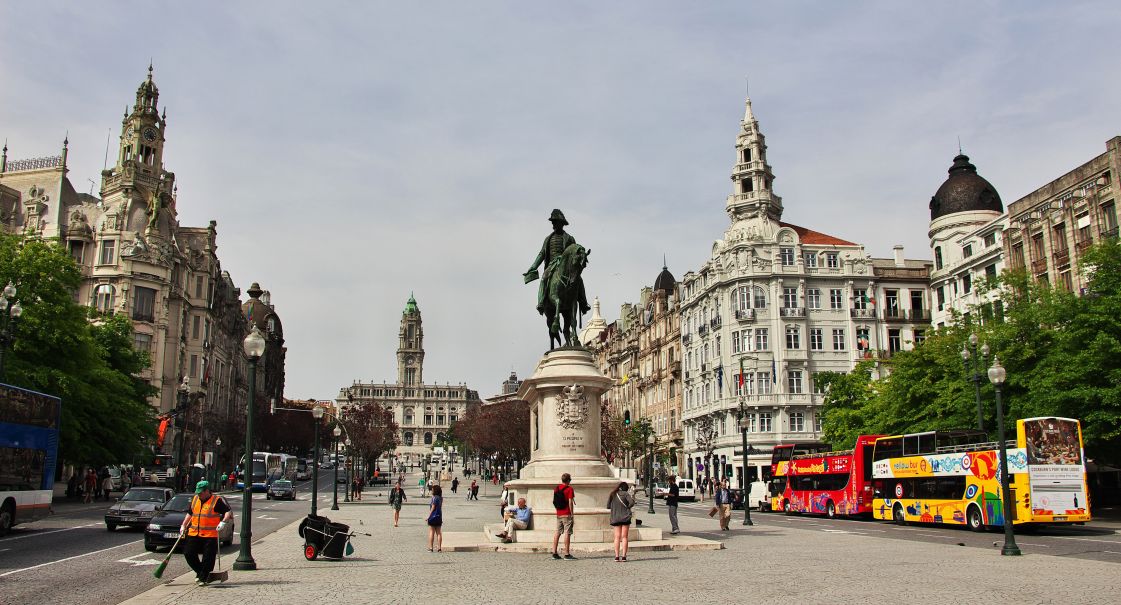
{"x":336,"y":432}
{"x":254,"y":346}
{"x":650,"y":471}
{"x":317,"y":413}
{"x":745,"y":482}
{"x":997,"y":375}
{"x":346,"y":455}
{"x":183,"y":417}
{"x":976,"y":376}
{"x":8,"y":317}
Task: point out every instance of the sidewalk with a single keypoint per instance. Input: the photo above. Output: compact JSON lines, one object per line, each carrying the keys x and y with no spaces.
{"x":787,"y":564}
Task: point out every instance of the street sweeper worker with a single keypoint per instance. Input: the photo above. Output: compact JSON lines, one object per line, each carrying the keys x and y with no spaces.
{"x":209,"y":515}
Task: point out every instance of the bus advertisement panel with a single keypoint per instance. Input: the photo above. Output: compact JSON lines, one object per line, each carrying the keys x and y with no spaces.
{"x":781,"y":456}
{"x":831,"y":483}
{"x":28,"y":454}
{"x":934,"y":478}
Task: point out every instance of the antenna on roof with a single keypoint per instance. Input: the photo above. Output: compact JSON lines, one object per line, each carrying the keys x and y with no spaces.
{"x":105,"y":161}
{"x":747,"y":85}
{"x":959,"y":144}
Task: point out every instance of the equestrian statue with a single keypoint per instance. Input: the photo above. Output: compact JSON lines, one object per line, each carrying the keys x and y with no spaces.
{"x":561,"y":292}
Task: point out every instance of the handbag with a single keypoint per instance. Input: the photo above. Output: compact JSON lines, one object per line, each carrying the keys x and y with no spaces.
{"x":621,"y":501}
{"x":712,"y":513}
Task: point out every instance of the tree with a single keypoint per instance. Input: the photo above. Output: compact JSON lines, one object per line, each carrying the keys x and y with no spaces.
{"x":372,"y":430}
{"x":500,"y":429}
{"x":93,"y":368}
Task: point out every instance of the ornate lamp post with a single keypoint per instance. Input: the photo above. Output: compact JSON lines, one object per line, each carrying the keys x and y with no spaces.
{"x":317,"y":413}
{"x":217,"y":459}
{"x":346,"y":453}
{"x":997,"y":374}
{"x":8,"y":317}
{"x":650,"y":471}
{"x":745,"y":480}
{"x":254,"y":346}
{"x":183,"y":408}
{"x":975,"y":375}
{"x":336,"y":432}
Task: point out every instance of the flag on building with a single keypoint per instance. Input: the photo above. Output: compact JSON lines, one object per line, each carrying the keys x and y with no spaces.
{"x":741,"y":373}
{"x":774,"y":372}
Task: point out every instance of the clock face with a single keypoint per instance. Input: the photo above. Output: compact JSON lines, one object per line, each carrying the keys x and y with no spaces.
{"x":409,"y":359}
{"x":149,"y":134}
{"x":129,"y":132}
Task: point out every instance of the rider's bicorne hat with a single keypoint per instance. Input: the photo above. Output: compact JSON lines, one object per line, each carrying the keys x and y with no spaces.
{"x":557,"y":215}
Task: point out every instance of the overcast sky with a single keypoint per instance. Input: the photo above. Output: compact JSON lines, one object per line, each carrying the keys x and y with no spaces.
{"x":354,"y":154}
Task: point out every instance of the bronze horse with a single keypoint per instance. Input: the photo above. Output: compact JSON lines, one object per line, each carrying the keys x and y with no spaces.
{"x":563,"y":296}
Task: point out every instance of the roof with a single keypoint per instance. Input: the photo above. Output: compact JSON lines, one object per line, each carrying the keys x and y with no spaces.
{"x":809,"y":236}
{"x":665,"y":281}
{"x":964,"y":191}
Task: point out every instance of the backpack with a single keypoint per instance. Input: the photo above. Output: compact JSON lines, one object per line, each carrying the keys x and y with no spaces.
{"x":560,"y":502}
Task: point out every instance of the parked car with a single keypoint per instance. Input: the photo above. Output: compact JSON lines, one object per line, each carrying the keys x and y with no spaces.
{"x":661,"y":490}
{"x":686,"y":491}
{"x":163,"y":528}
{"x":137,"y":507}
{"x":281,"y":489}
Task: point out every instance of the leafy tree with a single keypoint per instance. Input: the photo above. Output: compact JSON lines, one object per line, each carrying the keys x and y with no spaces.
{"x":372,"y":430}
{"x":105,"y":414}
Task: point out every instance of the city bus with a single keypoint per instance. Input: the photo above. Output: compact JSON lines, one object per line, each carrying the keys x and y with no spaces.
{"x":831,"y":483}
{"x":28,"y":454}
{"x":953,"y":477}
{"x":265,"y":465}
{"x":781,"y":455}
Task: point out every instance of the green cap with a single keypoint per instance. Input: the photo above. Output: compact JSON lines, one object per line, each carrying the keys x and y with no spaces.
{"x":201,"y":485}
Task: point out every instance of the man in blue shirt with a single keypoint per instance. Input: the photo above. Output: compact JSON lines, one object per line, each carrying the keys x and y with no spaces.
{"x":517,"y":517}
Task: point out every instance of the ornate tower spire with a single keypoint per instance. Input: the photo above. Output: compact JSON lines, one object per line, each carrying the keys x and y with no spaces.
{"x":752,"y":195}
{"x":410,"y":346}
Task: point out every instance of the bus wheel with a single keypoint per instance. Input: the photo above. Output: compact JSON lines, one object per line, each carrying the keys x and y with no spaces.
{"x":7,"y":517}
{"x":830,"y":510}
{"x":897,"y":515}
{"x":973,"y":519}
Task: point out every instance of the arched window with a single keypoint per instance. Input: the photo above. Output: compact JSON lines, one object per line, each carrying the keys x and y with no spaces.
{"x":103,"y":298}
{"x":938,"y":257}
{"x":409,"y":438}
{"x":760,"y":298}
{"x":408,"y":415}
{"x":428,"y":439}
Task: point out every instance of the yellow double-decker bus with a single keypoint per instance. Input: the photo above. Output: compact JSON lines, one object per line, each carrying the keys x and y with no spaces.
{"x":953,"y":477}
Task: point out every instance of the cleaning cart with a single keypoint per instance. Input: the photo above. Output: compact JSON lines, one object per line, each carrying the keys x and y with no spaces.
{"x":322,"y":538}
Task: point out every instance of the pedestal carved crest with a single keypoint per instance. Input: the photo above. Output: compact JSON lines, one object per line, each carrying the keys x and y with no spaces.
{"x":572,"y":407}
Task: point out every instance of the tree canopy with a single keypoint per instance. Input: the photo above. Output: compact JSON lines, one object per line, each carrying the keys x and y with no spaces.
{"x":1062,"y":353}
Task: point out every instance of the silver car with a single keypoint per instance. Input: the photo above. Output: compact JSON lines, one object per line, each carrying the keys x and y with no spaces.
{"x":137,"y":507}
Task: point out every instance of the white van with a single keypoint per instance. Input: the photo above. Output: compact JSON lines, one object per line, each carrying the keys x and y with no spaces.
{"x":685,"y":490}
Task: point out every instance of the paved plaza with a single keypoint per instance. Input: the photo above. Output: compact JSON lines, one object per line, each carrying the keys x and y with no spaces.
{"x":772,"y":562}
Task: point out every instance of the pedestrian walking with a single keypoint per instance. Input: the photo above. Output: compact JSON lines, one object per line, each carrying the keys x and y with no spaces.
{"x":208,"y":515}
{"x":722,"y":504}
{"x":361,"y":487}
{"x":396,"y":499}
{"x":564,"y":501}
{"x":473,"y":490}
{"x":89,"y":487}
{"x":354,"y":488}
{"x":620,"y":502}
{"x":420,"y":482}
{"x":72,"y":485}
{"x":455,"y":484}
{"x":436,"y":520}
{"x":671,"y":504}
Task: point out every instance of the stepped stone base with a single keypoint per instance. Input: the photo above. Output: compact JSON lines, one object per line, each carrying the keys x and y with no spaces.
{"x":579,"y":536}
{"x":474,"y":542}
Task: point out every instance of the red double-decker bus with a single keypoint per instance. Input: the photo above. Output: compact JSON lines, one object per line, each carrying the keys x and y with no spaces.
{"x":830,"y":483}
{"x":781,"y":457}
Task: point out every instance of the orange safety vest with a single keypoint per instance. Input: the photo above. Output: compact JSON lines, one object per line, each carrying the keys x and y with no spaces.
{"x":204,"y":521}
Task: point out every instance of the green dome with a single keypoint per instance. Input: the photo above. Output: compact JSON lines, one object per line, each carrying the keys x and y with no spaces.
{"x":410,"y":307}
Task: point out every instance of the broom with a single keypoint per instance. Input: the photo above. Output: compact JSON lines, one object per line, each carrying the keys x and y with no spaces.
{"x":220,"y":575}
{"x":163,"y":565}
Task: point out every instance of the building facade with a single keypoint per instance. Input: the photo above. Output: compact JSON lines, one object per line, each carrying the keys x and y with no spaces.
{"x":424,"y":412}
{"x":136,"y":259}
{"x":774,"y":306}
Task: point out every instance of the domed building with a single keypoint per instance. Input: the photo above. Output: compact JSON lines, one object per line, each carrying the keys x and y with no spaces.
{"x":259,"y":312}
{"x":966,"y":221}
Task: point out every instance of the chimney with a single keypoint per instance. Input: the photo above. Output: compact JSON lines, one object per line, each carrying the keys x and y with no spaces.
{"x":899,"y":256}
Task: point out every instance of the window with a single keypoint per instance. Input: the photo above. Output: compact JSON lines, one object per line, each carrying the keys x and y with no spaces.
{"x":142,"y":342}
{"x":818,"y":383}
{"x":941,"y":295}
{"x":967,"y":283}
{"x":787,"y":256}
{"x":794,"y":382}
{"x":832,"y":260}
{"x":920,"y":336}
{"x":751,"y":422}
{"x":439,"y":419}
{"x":811,"y":259}
{"x":408,"y":415}
{"x":790,"y":297}
{"x":862,"y":341}
{"x":839,"y":339}
{"x":816,"y":340}
{"x":937,"y":257}
{"x":78,"y":252}
{"x":748,"y":384}
{"x":453,"y":418}
{"x":760,"y":298}
{"x":860,"y":300}
{"x":1059,"y":238}
{"x":428,"y":439}
{"x":813,"y":298}
{"x":410,"y":375}
{"x":144,"y":304}
{"x":409,"y":438}
{"x":894,"y":343}
{"x":1109,"y":219}
{"x":990,"y":240}
{"x":741,"y":298}
{"x":108,"y":252}
{"x":1065,"y":282}
{"x":836,"y":300}
{"x":736,"y":342}
{"x":103,"y":298}
{"x":793,"y":338}
{"x":764,"y":382}
{"x":1017,"y":259}
{"x":797,"y":422}
{"x":1037,"y":246}
{"x":194,"y":366}
{"x":967,"y":250}
{"x":765,"y":422}
{"x":990,"y":271}
{"x":198,"y":286}
{"x":761,"y":340}
{"x":817,"y":421}
{"x":746,"y":155}
{"x":428,"y":417}
{"x":196,"y":322}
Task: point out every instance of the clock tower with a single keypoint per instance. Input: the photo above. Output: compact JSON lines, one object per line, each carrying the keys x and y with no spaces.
{"x":410,"y":347}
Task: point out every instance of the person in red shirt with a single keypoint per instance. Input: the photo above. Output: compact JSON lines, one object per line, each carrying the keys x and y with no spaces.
{"x":564,"y":516}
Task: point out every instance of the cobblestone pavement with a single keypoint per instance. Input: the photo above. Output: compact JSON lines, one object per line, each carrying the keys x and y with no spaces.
{"x":772,"y":562}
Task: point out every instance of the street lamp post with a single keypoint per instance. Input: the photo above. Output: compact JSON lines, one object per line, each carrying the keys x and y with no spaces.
{"x":650,"y":472}
{"x":254,"y":346}
{"x":217,"y":459}
{"x":997,"y":374}
{"x":336,"y":432}
{"x":183,"y":408}
{"x":8,"y":317}
{"x":346,"y":453}
{"x":975,"y":375}
{"x":317,"y":413}
{"x":746,"y":481}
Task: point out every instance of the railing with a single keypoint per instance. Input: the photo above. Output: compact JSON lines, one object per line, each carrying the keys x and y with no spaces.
{"x":715,"y":322}
{"x":33,"y":164}
{"x":685,"y":338}
{"x":792,"y":311}
{"x":902,"y":273}
{"x":1062,"y":257}
{"x":1110,"y":233}
{"x":1039,"y":266}
{"x":745,"y":314}
{"x":148,"y":317}
{"x":863,"y":313}
{"x":920,"y":315}
{"x":702,"y":330}
{"x":1083,"y":245}
{"x":895,"y":314}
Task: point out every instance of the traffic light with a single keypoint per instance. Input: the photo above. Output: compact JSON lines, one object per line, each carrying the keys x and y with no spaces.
{"x":627,"y":418}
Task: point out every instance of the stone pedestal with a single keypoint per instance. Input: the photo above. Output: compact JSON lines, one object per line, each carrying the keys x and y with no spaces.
{"x":564,"y":395}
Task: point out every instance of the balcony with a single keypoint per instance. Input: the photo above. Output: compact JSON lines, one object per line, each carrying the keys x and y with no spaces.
{"x":714,"y":323}
{"x":685,"y":338}
{"x":895,"y":315}
{"x":1039,"y":266}
{"x":1062,"y":257}
{"x":922,"y":315}
{"x":1110,"y":233}
{"x":863,"y":313}
{"x":1083,"y":245}
{"x":792,"y":311}
{"x":148,"y":317}
{"x":745,"y":314}
{"x":702,"y":330}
